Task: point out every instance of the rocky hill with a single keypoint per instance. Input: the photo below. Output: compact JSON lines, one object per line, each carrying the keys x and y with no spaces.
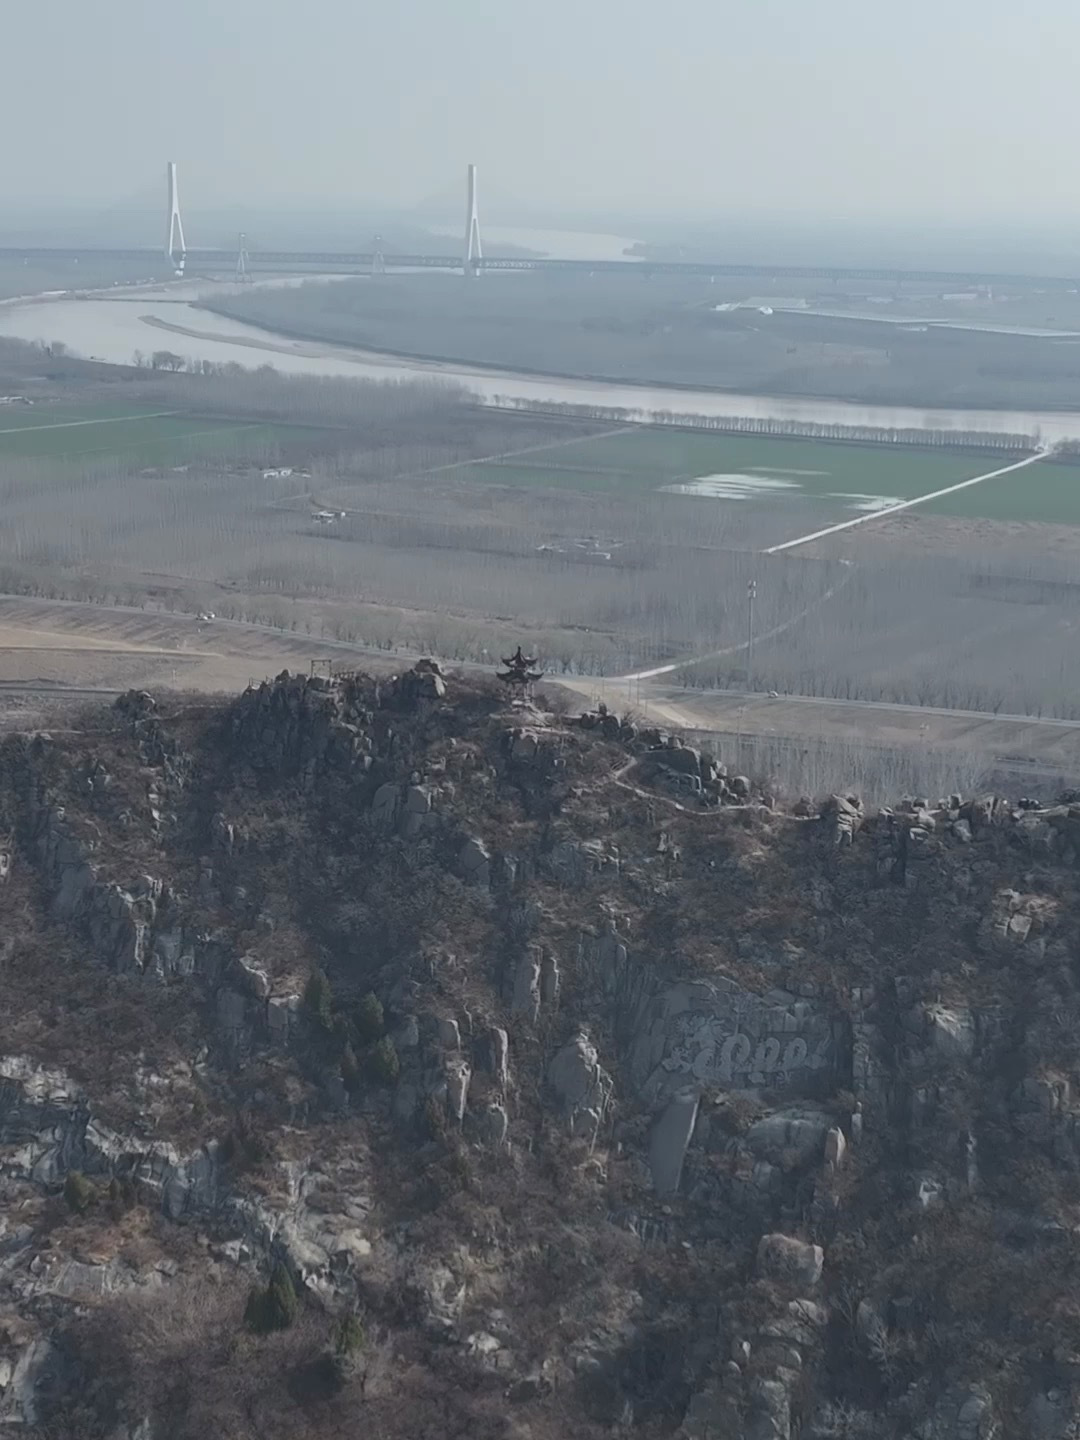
{"x":379,"y":1059}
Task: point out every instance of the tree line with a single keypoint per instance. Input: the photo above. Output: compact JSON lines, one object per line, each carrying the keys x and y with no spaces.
{"x":786,"y":429}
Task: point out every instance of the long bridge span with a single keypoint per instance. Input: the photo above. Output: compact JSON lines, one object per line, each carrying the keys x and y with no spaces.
{"x":359,"y":262}
{"x":243,"y":261}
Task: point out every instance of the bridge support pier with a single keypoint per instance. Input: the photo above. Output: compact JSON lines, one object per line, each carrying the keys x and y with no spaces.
{"x":473,"y":252}
{"x":175,"y":245}
{"x":242,"y":274}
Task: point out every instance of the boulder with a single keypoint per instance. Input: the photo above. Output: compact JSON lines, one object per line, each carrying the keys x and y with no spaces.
{"x":870,"y":1326}
{"x":385,"y":803}
{"x":533,"y":746}
{"x":449,"y":1034}
{"x":474,"y":858}
{"x":951,"y":1031}
{"x":684,"y":759}
{"x":251,"y":978}
{"x":964,"y":1412}
{"x":492,"y":1125}
{"x":790,"y":1262}
{"x":575,"y":1073}
{"x":424,"y":682}
{"x":789,"y":1138}
{"x":441,"y":1295}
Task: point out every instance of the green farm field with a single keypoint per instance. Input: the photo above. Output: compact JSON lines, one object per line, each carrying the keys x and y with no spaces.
{"x":843,"y":477}
{"x":49,"y":432}
{"x":1048,"y":491}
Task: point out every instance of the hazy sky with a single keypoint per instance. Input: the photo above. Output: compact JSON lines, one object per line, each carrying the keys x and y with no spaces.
{"x":842,"y":108}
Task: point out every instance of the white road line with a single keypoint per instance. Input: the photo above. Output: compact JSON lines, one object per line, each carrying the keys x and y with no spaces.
{"x":903,"y":505}
{"x":75,"y":424}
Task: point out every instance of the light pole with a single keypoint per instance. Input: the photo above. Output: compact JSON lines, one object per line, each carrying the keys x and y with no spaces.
{"x":751,"y":595}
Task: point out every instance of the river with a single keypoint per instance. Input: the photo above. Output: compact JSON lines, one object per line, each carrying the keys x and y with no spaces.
{"x":566,"y":244}
{"x":113,"y":326}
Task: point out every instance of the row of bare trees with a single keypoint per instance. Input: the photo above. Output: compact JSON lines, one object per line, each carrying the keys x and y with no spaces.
{"x":765,"y":425}
{"x":602,"y":582}
{"x":426,"y":551}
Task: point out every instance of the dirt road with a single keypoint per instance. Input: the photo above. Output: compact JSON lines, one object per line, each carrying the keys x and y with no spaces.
{"x":1045,"y":740}
{"x":46,"y":645}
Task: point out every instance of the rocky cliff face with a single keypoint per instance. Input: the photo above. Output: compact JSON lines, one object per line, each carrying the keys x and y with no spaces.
{"x":571,"y":1085}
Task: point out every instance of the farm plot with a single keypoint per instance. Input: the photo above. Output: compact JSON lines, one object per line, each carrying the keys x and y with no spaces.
{"x":1047,"y":492}
{"x":48,"y":432}
{"x":841,"y":477}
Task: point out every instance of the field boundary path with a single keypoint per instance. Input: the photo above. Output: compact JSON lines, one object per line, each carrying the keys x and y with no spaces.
{"x":100,"y":420}
{"x":475,"y":462}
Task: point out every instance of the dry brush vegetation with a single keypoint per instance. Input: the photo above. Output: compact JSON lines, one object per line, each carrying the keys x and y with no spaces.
{"x":428,"y":551}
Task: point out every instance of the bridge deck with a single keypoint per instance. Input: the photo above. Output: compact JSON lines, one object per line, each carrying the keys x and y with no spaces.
{"x":346,"y":262}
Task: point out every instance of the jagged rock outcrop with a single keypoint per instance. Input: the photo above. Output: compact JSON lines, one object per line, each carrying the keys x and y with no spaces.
{"x":596,"y":1087}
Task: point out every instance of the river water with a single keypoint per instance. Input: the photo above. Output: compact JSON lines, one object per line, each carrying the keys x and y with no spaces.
{"x":115,"y":325}
{"x":566,"y":244}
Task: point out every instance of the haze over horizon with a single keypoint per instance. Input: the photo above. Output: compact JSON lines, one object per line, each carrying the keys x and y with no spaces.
{"x":834,"y":111}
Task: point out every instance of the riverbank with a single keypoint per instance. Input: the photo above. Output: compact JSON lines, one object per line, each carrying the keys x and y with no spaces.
{"x":673,"y":333}
{"x":113,"y":333}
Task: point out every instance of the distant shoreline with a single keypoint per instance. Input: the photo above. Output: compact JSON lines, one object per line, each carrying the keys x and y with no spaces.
{"x":496,"y":368}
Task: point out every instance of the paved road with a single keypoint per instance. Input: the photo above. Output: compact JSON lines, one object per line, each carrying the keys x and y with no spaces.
{"x":1031,"y":766}
{"x":904,"y":505}
{"x":670,"y":694}
{"x":668,"y":704}
{"x":630,"y":688}
{"x":18,"y":687}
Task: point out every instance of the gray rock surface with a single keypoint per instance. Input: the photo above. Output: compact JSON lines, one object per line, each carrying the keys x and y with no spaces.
{"x":713,"y":1032}
{"x":526,"y":1001}
{"x":790,"y":1262}
{"x":670,"y":1139}
{"x":475,"y":861}
{"x":576,"y":1075}
{"x":789,"y":1138}
{"x":458,"y":1076}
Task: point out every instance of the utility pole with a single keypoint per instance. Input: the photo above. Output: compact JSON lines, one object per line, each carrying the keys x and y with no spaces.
{"x":751,"y":596}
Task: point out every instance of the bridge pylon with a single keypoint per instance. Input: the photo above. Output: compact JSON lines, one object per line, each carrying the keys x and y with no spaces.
{"x":242,"y":260}
{"x":378,"y":258}
{"x":175,"y":245}
{"x":473,"y":253}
